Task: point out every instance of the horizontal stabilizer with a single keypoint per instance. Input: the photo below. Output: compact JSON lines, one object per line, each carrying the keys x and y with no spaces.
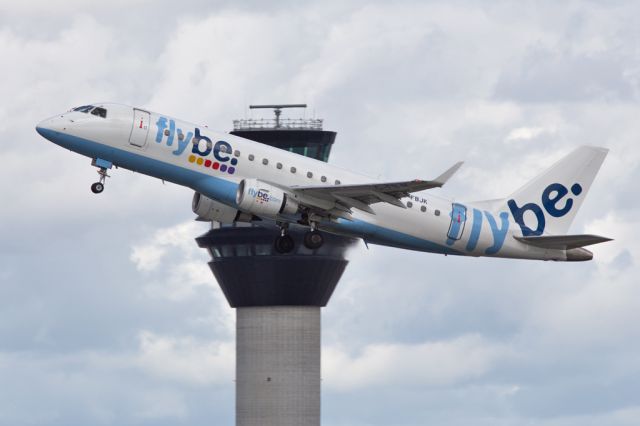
{"x":563,"y":242}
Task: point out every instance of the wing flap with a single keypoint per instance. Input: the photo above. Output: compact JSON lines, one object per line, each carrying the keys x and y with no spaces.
{"x":352,"y":202}
{"x":563,"y":242}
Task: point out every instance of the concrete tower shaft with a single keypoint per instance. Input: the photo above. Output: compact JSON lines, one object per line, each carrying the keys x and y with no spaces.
{"x":278,"y":366}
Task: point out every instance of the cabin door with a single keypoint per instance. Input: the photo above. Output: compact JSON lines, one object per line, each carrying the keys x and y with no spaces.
{"x":458,"y":219}
{"x":140,"y":128}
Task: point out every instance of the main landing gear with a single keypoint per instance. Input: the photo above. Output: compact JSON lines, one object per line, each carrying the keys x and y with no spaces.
{"x":313,"y":239}
{"x":285,"y":244}
{"x":98,"y":187}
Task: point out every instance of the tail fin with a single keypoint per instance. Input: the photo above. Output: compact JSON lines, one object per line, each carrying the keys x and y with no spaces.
{"x":555,"y":196}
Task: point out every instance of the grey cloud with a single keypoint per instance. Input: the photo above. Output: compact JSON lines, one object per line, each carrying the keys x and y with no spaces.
{"x":557,"y":76}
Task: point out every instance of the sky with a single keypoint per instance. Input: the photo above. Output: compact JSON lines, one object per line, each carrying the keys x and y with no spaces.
{"x":109,"y":314}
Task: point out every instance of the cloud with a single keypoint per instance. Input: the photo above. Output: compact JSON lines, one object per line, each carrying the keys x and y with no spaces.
{"x":186,"y":360}
{"x":440,"y":363}
{"x":526,"y":133}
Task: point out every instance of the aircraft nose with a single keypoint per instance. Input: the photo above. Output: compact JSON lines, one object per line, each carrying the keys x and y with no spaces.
{"x":47,"y":128}
{"x":43,"y":126}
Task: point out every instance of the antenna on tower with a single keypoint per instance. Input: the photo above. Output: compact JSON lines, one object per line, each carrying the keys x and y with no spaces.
{"x":277,"y":109}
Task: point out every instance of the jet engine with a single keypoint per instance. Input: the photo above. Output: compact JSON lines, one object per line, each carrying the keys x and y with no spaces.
{"x":262,"y":199}
{"x":208,"y":209}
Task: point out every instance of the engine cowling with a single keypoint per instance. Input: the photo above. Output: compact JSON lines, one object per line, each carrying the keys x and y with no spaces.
{"x":262,"y":199}
{"x":209,"y":209}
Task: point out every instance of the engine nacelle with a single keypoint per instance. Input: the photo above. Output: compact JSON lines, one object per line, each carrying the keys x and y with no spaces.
{"x":209,"y":209}
{"x":262,"y":199}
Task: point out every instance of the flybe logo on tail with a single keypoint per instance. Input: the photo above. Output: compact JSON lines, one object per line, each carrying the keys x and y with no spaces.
{"x":552,"y":198}
{"x":201,"y":146}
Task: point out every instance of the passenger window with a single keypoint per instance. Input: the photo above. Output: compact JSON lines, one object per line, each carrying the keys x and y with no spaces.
{"x":409,"y":204}
{"x":423,"y":209}
{"x":293,"y":169}
{"x":100,"y":112}
{"x":236,"y":153}
{"x":279,"y":165}
{"x":265,"y":161}
{"x":251,"y":157}
{"x":337,"y":182}
{"x":437,"y":212}
{"x":323,"y":178}
{"x":309,"y":175}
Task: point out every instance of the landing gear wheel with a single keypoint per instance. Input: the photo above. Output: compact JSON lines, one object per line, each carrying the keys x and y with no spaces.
{"x":284,"y":244}
{"x":313,"y":240}
{"x":97,"y":187}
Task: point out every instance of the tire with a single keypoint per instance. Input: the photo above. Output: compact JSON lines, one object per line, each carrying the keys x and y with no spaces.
{"x":313,"y":240}
{"x":97,"y":188}
{"x":284,"y":244}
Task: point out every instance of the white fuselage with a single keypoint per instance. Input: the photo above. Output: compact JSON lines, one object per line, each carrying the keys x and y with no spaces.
{"x":161,"y":146}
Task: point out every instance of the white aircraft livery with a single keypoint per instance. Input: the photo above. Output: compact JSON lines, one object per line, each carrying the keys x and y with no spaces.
{"x":236,"y":179}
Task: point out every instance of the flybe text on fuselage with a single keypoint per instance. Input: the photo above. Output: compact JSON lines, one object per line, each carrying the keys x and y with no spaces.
{"x":201,"y":146}
{"x":459,"y":219}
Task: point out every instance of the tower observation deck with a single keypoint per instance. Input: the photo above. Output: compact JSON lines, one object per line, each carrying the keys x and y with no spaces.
{"x":303,"y":136}
{"x":277,"y":296}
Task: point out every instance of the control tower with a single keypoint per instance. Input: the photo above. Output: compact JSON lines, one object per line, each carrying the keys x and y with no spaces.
{"x":277,"y":296}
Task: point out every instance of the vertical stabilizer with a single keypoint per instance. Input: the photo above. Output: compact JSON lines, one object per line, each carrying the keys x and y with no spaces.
{"x":548,"y":203}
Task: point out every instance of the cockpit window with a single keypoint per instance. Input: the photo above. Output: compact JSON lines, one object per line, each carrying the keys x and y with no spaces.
{"x":84,"y":108}
{"x":100,"y":112}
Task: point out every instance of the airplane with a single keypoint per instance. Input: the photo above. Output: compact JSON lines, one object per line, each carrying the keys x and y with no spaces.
{"x":239,"y":180}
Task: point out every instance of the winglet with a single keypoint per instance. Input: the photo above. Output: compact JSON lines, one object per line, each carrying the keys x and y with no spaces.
{"x":444,"y":177}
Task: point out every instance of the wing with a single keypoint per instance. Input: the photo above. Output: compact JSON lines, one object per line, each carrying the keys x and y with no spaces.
{"x":361,"y":196}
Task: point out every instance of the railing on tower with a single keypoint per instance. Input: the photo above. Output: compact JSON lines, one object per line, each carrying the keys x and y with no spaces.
{"x":278,"y":123}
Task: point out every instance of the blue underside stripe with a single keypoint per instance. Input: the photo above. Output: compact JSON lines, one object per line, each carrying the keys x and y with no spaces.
{"x":375,"y":234}
{"x":211,"y":186}
{"x":225,"y":191}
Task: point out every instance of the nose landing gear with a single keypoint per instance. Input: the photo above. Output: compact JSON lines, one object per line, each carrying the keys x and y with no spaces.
{"x":98,"y":187}
{"x":102,"y":166}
